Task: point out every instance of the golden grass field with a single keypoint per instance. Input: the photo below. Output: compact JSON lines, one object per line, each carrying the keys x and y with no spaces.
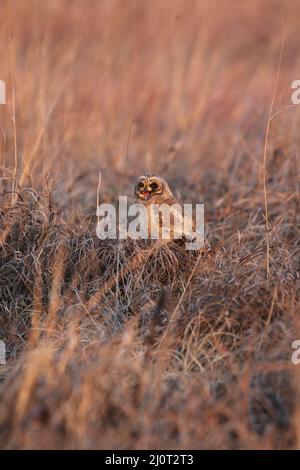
{"x":184,"y":350}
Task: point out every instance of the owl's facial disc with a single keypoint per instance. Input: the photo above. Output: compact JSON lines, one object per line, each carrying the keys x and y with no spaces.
{"x":147,"y":187}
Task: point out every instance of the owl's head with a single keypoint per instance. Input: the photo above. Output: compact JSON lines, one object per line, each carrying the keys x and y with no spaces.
{"x":152,"y":190}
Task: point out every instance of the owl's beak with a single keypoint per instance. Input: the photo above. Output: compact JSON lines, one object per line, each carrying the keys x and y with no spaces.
{"x":146,"y":195}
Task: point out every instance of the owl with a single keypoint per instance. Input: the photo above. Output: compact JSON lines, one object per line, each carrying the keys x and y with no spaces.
{"x":154,"y":192}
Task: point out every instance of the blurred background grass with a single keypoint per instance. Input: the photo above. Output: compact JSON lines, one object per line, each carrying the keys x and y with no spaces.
{"x":196,"y":78}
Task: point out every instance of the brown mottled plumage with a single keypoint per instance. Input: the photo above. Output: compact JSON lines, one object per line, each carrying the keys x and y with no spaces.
{"x":150,"y":190}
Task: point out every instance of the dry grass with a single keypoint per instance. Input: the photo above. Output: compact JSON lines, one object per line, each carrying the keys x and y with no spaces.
{"x":161,"y":358}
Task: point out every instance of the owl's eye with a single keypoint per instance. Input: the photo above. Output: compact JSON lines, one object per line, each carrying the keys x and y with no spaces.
{"x":140,"y":185}
{"x":154,"y":186}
